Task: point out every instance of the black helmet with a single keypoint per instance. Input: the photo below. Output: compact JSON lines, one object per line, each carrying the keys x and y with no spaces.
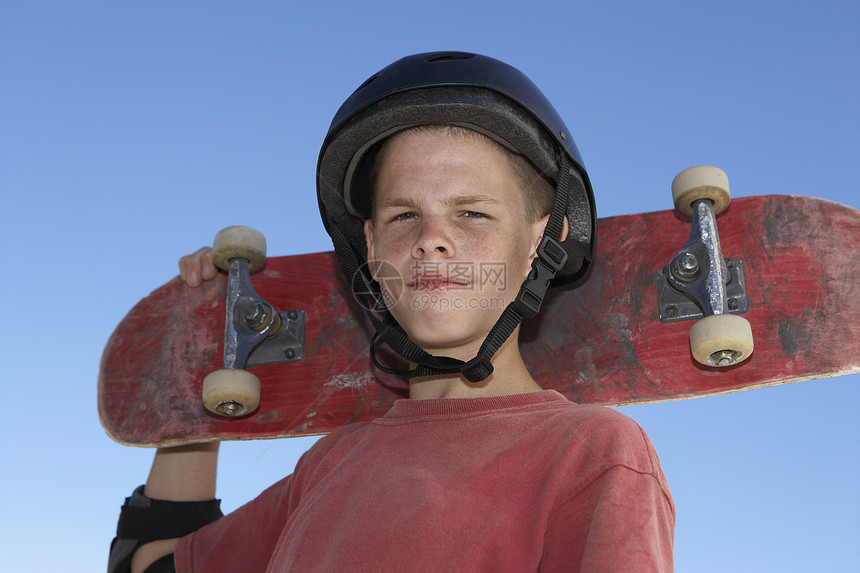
{"x":481,"y":94}
{"x":452,"y":88}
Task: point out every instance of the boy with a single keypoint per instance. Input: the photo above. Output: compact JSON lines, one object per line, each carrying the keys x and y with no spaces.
{"x":437,"y":162}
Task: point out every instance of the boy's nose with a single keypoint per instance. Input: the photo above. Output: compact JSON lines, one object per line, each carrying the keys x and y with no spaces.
{"x":431,"y":240}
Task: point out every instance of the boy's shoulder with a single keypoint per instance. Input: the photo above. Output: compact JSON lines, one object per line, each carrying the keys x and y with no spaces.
{"x":589,"y":417}
{"x":604,"y":436}
{"x":599,"y":418}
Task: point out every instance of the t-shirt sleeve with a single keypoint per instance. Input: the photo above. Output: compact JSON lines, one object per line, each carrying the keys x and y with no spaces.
{"x":621,"y":521}
{"x":614,"y":511}
{"x":245,"y":539}
{"x":253,"y":529}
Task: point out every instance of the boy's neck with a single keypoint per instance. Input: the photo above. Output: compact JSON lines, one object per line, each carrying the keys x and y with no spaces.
{"x":509,"y":376}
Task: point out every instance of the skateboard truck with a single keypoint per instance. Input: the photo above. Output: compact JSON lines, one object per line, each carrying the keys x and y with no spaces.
{"x":254,"y":332}
{"x":698,"y":282}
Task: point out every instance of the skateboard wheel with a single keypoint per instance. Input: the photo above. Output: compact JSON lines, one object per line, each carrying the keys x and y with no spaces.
{"x":721,"y":340}
{"x":239,"y":242}
{"x":231,"y":393}
{"x":700,"y":182}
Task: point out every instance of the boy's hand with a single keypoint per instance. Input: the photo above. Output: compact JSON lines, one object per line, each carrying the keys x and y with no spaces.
{"x":197,"y":267}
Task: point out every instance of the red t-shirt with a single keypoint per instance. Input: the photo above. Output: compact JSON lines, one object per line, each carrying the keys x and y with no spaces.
{"x":528,"y":482}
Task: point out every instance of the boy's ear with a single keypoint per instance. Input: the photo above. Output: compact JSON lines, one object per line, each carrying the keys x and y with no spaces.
{"x":542,"y":226}
{"x":371,"y":249}
{"x":564,"y":229}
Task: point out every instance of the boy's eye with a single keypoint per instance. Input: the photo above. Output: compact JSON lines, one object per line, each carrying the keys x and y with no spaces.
{"x":474,"y":215}
{"x":404,"y":216}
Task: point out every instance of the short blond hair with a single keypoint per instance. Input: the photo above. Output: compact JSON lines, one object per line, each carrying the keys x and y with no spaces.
{"x":538,"y":191}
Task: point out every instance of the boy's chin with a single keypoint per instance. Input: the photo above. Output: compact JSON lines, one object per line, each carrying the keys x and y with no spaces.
{"x":437,"y":329}
{"x":447,"y":338}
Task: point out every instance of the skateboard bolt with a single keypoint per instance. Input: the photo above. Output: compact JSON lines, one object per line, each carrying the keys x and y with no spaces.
{"x":689,"y":263}
{"x":292,"y":315}
{"x":289,"y":353}
{"x":671,"y":311}
{"x":723,"y":358}
{"x":686,"y":267}
{"x":230,"y":408}
{"x":733,"y":304}
{"x":257,"y":316}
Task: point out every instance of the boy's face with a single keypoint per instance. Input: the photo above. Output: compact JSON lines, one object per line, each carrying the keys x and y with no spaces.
{"x":449,"y":241}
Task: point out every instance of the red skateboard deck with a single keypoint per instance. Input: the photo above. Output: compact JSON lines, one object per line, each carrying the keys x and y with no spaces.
{"x":599,"y":343}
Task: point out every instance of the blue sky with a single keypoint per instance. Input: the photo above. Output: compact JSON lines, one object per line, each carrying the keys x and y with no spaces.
{"x":132,"y":131}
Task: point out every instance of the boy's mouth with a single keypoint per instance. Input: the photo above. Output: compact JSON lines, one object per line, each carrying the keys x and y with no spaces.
{"x":435,"y":283}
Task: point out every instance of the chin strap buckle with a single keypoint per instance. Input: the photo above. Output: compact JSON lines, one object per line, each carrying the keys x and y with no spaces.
{"x":550,"y":259}
{"x":477,"y":369}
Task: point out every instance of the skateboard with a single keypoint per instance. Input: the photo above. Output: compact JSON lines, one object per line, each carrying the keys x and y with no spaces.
{"x":780,"y":282}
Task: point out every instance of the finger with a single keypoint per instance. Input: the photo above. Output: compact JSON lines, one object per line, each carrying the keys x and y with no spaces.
{"x":207,"y":265}
{"x":190,"y":266}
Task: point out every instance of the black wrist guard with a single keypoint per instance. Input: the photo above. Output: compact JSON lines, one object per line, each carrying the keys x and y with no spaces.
{"x":144,"y":519}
